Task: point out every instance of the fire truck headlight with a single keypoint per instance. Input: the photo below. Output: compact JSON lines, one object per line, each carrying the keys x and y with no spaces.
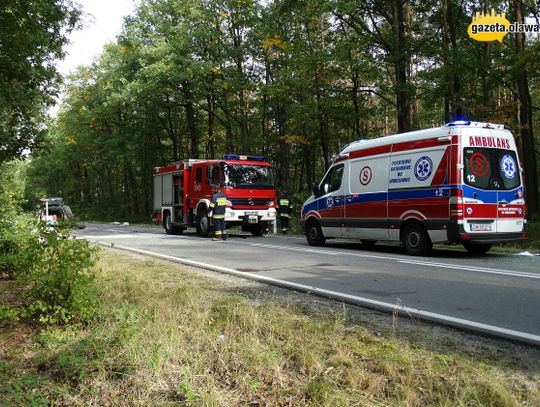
{"x":270,"y":203}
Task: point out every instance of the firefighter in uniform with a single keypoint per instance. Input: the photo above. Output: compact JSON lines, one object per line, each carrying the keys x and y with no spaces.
{"x":284,"y":209}
{"x":217,"y":213}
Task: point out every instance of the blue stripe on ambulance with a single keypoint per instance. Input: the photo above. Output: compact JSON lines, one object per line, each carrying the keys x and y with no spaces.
{"x":489,"y":197}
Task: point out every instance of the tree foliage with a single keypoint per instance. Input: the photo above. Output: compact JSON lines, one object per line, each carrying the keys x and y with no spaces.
{"x":293,"y":80}
{"x":32,"y":34}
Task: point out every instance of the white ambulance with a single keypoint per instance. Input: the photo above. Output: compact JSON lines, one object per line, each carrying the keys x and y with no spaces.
{"x":459,"y":183}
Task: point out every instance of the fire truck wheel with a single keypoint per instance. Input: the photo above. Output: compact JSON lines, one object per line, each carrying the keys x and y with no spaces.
{"x":314,"y":233}
{"x":482,"y":248}
{"x":203,"y":223}
{"x":171,"y":229}
{"x":257,"y":230}
{"x":167,"y":223}
{"x":415,"y":240}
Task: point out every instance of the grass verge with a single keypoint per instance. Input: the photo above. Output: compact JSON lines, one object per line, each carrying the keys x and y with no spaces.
{"x":168,"y":334}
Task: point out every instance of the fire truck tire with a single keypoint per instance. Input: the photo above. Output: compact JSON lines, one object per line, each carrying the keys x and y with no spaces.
{"x":257,"y":230}
{"x":167,"y":223}
{"x":314,"y":233}
{"x":415,"y":240}
{"x":203,"y":223}
{"x":482,"y":248}
{"x":171,"y":229}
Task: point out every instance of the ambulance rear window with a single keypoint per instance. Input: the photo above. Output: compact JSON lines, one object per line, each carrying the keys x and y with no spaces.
{"x":491,"y":168}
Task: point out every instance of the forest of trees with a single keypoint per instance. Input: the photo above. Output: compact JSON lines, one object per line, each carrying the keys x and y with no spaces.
{"x":293,"y":80}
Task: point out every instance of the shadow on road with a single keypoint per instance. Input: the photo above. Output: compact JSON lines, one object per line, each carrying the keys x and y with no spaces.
{"x":452,"y":252}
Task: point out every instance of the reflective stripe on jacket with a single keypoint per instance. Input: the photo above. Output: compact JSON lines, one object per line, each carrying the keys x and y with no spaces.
{"x":218,"y":205}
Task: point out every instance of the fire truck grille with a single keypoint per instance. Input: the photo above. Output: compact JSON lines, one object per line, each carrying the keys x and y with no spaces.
{"x":250,"y":201}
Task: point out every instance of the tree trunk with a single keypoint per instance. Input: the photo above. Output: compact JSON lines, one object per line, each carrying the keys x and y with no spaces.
{"x":355,"y":79}
{"x":170,"y":128}
{"x":264,"y":110}
{"x":528,"y":151}
{"x":242,"y":105}
{"x":211,"y":145}
{"x":191,"y":122}
{"x":486,"y":67}
{"x":400,"y":66}
{"x":322,"y":129}
{"x":283,"y":160}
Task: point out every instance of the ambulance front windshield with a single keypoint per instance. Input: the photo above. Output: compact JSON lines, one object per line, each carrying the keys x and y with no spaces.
{"x":248,"y":176}
{"x":491,"y":168}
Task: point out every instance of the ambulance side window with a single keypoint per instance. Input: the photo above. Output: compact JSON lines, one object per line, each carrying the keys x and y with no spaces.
{"x":332,"y":181}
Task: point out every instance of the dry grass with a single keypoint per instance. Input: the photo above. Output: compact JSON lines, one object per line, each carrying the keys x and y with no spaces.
{"x":171,"y":335}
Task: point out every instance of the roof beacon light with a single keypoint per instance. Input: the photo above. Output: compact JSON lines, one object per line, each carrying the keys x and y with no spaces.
{"x":460,"y":123}
{"x":244,"y":157}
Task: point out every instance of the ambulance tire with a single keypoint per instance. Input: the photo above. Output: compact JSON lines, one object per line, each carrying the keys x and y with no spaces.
{"x":482,"y":248}
{"x":415,"y":240}
{"x":203,"y":223}
{"x":314,"y":234}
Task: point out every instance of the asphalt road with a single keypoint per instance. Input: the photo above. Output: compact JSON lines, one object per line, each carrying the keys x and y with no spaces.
{"x":495,"y":293}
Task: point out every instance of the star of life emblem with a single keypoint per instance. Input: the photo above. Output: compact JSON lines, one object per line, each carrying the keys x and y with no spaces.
{"x":423,"y":168}
{"x":508,"y":166}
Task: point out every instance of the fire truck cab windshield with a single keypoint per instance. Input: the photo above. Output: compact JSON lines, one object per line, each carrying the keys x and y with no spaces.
{"x":247,"y":176}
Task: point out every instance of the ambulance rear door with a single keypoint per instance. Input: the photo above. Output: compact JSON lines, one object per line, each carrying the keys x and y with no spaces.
{"x":493,"y":190}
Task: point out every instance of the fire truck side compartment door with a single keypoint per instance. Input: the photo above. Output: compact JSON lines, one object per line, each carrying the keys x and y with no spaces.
{"x":167,"y":189}
{"x":158,"y":192}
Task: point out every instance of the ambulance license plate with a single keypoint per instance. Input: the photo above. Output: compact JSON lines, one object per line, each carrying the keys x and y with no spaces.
{"x":480,"y":227}
{"x":253,"y":219}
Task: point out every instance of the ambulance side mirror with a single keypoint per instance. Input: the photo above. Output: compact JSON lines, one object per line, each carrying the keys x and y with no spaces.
{"x":315,"y":189}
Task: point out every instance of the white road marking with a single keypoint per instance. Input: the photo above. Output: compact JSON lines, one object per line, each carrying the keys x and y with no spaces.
{"x":474,"y":269}
{"x":367,"y":302}
{"x":461,"y":267}
{"x":318,"y":251}
{"x":326,"y":252}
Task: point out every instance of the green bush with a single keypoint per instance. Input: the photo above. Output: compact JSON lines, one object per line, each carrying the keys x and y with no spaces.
{"x":15,"y":234}
{"x":53,"y":271}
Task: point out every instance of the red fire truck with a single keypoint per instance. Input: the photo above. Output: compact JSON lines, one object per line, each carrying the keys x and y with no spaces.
{"x":183,"y":190}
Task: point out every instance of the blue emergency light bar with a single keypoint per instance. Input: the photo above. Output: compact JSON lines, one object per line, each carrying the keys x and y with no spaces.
{"x":459,"y":123}
{"x":243,"y":157}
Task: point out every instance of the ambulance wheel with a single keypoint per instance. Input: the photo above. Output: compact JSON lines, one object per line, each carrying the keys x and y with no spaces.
{"x":415,"y":240}
{"x":203,"y":223}
{"x":314,"y":234}
{"x":482,"y":248}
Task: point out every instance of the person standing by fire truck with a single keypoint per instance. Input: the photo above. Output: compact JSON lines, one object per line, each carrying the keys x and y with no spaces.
{"x":217,"y":213}
{"x":284,"y":209}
